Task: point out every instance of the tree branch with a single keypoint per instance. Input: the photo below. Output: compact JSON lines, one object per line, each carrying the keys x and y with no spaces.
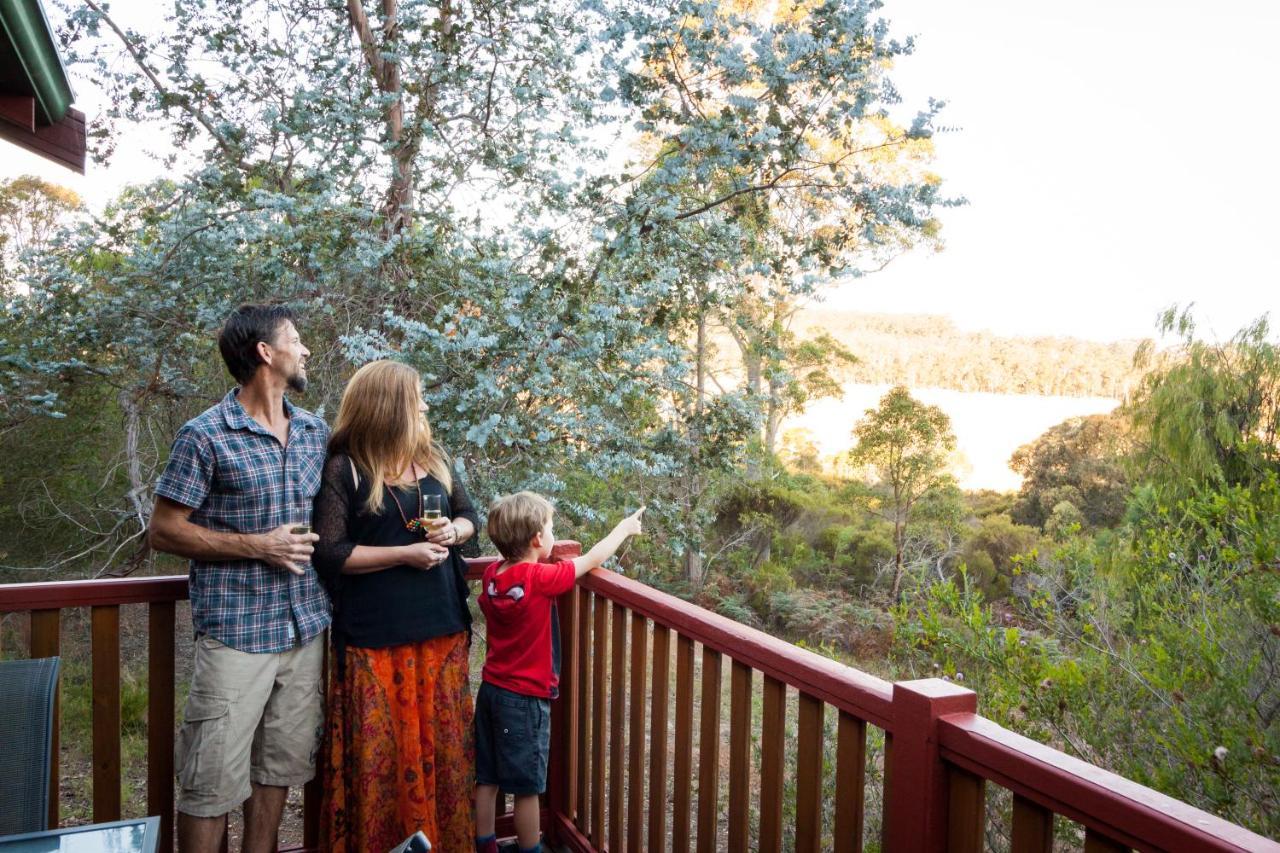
{"x":360,"y":25}
{"x":231,"y":151}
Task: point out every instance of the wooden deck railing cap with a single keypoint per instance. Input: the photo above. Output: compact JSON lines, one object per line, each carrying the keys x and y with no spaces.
{"x":935,"y":689}
{"x":1125,"y":810}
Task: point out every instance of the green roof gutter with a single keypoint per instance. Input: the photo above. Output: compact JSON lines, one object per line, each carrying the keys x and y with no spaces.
{"x":32,"y":39}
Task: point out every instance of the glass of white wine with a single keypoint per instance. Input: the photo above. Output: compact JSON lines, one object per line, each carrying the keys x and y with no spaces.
{"x":431,"y":507}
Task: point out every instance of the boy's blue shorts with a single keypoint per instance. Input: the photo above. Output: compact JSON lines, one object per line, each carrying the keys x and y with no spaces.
{"x":513,"y":738}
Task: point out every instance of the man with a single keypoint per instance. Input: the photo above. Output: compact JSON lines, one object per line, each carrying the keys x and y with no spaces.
{"x":235,"y":499}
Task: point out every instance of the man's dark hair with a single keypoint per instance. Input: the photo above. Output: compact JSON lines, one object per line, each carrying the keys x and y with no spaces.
{"x":238,"y":341}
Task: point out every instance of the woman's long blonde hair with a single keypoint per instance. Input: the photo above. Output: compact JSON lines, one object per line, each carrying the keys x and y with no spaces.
{"x":380,"y":428}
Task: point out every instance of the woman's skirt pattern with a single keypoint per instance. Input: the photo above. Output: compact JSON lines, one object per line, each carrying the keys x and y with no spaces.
{"x":399,"y":749}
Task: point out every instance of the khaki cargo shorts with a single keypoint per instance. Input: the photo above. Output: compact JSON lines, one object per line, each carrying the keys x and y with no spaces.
{"x":249,"y":717}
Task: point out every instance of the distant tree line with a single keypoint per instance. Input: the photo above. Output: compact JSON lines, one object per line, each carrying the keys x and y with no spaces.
{"x":929,"y":351}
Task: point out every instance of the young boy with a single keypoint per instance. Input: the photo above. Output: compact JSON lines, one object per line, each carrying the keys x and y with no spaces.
{"x":513,"y":708}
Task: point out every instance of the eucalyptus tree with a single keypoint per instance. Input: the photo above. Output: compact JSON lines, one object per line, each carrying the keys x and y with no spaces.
{"x":434,"y":179}
{"x":906,"y":444}
{"x":769,"y":125}
{"x":31,"y":209}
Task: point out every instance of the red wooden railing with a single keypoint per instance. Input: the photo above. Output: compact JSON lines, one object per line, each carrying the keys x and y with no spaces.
{"x":631,"y":770}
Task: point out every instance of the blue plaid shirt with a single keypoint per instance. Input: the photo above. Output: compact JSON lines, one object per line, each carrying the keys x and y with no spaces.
{"x":238,"y":478}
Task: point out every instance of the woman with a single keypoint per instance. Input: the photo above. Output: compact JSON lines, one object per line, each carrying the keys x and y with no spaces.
{"x":399,"y":754}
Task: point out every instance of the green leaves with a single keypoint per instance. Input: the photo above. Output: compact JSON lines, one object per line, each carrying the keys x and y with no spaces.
{"x":1209,"y":413}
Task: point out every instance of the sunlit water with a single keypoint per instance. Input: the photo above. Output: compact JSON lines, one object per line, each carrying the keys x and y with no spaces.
{"x":988,"y":427}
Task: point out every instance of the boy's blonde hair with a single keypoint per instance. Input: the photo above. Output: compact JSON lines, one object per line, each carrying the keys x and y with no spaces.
{"x":515,"y":519}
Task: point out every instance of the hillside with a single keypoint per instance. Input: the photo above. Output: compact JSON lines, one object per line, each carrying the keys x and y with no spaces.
{"x":929,"y":351}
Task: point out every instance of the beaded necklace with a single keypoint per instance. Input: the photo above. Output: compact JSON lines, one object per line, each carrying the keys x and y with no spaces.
{"x":414,"y":524}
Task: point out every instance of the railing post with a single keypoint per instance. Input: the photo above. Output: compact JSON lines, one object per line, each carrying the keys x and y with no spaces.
{"x":561,"y":764}
{"x":916,"y":818}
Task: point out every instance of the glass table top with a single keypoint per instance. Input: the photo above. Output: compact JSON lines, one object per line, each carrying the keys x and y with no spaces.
{"x":126,"y":836}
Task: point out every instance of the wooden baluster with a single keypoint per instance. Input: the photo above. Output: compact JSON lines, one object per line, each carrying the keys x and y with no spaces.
{"x":1096,"y":842}
{"x":562,"y":763}
{"x":739,"y":754}
{"x":851,"y":767}
{"x":106,"y":712}
{"x":599,"y":732}
{"x":966,"y":811}
{"x":46,"y":642}
{"x":160,"y":717}
{"x":809,"y":776}
{"x":772,"y":737}
{"x":683,"y":762}
{"x":1032,"y":827}
{"x":887,"y":793}
{"x":658,"y":739}
{"x":584,"y":728}
{"x":709,"y":753}
{"x":636,"y":733}
{"x":617,"y":724}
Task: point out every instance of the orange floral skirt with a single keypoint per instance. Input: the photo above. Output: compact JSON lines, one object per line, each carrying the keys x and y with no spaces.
{"x":399,"y":749}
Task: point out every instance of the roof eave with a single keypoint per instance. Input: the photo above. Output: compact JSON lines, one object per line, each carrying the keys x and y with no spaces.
{"x":28,"y":30}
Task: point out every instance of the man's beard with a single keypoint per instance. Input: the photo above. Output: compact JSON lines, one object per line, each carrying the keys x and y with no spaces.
{"x":297,"y":382}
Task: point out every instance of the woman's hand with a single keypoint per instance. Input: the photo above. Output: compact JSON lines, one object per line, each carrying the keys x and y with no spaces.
{"x":425,"y":555}
{"x":443,"y":532}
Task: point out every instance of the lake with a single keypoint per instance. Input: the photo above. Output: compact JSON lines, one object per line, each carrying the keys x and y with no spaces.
{"x":988,"y":427}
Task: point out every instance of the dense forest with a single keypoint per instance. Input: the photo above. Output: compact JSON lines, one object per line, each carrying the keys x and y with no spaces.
{"x":923,"y":350}
{"x":626,"y":334}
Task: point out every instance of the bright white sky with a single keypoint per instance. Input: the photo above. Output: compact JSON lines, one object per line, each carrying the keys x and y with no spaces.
{"x":1118,"y":156}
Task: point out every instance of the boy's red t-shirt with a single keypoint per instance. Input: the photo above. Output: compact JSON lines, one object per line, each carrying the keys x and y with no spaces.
{"x":517,"y":611}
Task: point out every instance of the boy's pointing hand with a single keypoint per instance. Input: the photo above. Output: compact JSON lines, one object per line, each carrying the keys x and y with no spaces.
{"x":631,"y":524}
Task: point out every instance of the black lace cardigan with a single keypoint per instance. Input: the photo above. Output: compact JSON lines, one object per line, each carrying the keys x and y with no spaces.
{"x":400,"y":604}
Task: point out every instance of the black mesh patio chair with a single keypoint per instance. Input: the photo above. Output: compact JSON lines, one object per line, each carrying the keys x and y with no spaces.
{"x":27,"y":688}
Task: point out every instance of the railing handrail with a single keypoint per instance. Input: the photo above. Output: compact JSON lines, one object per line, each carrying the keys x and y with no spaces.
{"x":1120,"y":808}
{"x":51,"y":595}
{"x":865,"y":696}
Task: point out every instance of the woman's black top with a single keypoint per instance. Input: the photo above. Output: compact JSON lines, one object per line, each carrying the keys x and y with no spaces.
{"x":396,"y":605}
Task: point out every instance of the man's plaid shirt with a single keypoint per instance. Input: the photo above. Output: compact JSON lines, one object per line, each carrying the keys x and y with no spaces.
{"x":238,"y":478}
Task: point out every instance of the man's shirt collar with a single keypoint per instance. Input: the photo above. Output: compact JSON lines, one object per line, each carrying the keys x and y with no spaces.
{"x":237,"y":418}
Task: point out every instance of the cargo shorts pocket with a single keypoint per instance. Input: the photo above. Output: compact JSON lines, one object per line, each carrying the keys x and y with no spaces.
{"x":517,"y":715}
{"x":201,"y":746}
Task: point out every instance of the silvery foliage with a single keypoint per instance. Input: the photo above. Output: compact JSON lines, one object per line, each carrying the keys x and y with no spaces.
{"x":545,"y":291}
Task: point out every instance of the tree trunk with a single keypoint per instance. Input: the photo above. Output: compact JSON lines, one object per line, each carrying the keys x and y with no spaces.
{"x":773,"y":420}
{"x":753,"y":365}
{"x":899,"y":539}
{"x":693,"y":566}
{"x":139,"y":494}
{"x":694,"y":481}
{"x":398,"y":204}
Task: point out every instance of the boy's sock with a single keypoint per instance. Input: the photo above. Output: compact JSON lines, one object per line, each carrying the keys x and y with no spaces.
{"x":537,"y":848}
{"x":488,"y":844}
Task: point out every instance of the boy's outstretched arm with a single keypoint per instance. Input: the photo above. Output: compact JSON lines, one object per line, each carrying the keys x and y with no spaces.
{"x":609,"y":545}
